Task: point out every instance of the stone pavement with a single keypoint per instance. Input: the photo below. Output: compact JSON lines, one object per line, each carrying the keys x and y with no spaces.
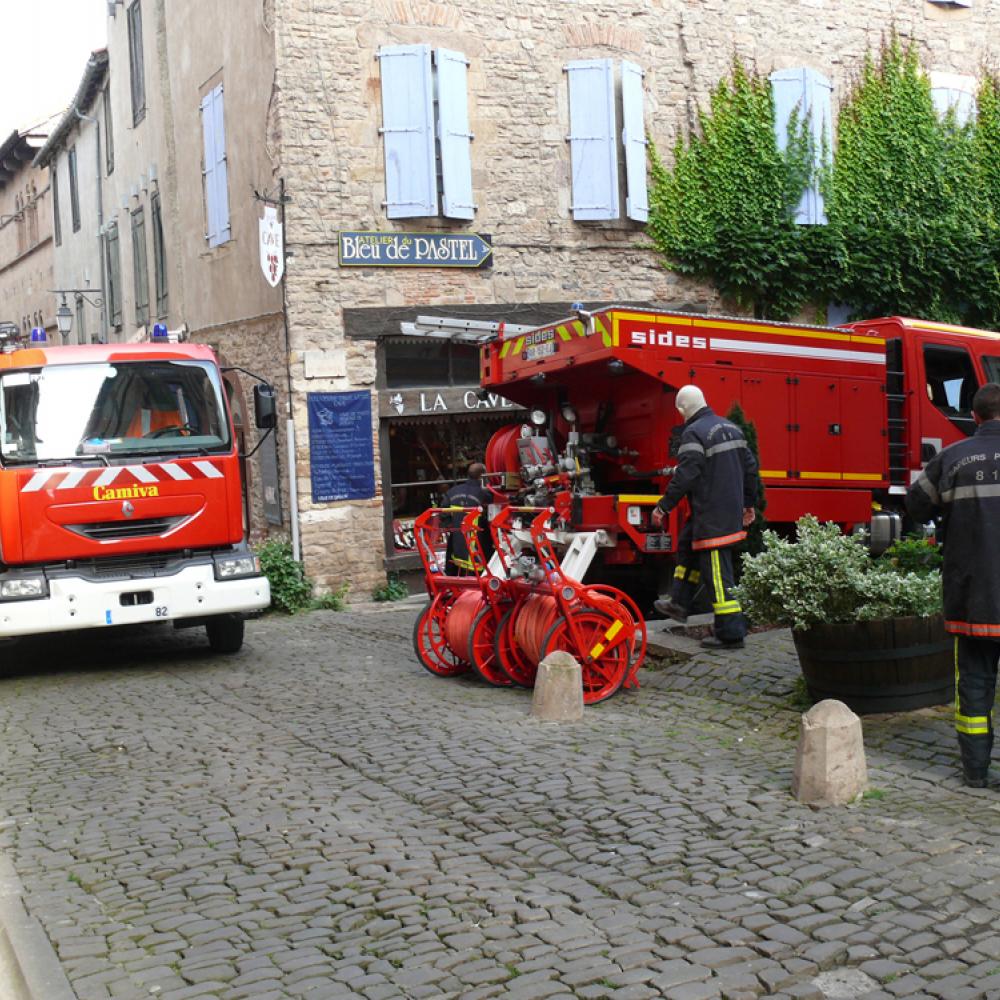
{"x":320,"y":817}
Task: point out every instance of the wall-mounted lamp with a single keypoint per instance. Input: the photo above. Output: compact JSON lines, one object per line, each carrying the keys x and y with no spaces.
{"x":64,"y":315}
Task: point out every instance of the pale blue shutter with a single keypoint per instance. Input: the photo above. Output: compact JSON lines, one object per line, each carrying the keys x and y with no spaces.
{"x":208,"y":171}
{"x":593,"y":135}
{"x":808,"y":93}
{"x":634,"y":140}
{"x":408,"y":128}
{"x":454,"y":134}
{"x":221,"y":168}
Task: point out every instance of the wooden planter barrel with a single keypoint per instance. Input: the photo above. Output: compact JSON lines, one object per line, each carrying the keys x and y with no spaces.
{"x":893,"y":665}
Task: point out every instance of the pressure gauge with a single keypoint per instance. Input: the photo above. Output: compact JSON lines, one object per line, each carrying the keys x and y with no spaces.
{"x":538,"y":418}
{"x":569,"y":414}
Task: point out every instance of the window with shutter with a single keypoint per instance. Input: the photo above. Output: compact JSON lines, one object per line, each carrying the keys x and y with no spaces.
{"x":592,"y":138}
{"x":634,"y":141}
{"x":114,"y":276}
{"x":159,"y":255}
{"x":140,"y":270}
{"x":215,"y":170}
{"x":408,"y":130}
{"x":137,"y":74}
{"x":74,"y":190}
{"x":807,"y":95}
{"x":56,"y":221}
{"x":454,"y":134}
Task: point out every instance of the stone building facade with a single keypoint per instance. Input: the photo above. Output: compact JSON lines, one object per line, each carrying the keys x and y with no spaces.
{"x":25,"y":232}
{"x":332,"y":104}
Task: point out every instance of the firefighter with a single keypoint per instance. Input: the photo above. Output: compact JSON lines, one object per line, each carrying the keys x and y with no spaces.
{"x":471,"y":493}
{"x":961,"y":485}
{"x":717,"y":471}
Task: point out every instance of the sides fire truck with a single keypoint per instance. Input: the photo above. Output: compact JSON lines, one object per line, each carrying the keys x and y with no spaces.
{"x":846,"y":417}
{"x":120,"y":491}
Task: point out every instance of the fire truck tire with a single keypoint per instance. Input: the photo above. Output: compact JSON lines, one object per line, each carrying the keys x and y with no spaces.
{"x":225,"y":633}
{"x":605,"y":675}
{"x":483,"y":651}
{"x":430,"y":644}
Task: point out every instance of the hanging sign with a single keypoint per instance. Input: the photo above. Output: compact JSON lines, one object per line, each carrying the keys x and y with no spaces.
{"x":272,"y":249}
{"x":372,"y":249}
{"x":341,"y":454}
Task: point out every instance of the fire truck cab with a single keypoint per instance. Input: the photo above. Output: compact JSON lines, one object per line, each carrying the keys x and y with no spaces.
{"x":120,"y":491}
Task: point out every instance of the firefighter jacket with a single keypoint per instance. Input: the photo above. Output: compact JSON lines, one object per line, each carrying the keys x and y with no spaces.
{"x":962,"y":484}
{"x":471,"y":493}
{"x":717,"y":471}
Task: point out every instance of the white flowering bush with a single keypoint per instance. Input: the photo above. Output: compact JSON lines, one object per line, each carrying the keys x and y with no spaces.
{"x":826,"y":577}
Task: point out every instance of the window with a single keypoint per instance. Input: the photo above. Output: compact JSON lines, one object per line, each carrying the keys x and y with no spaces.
{"x":74,"y":190}
{"x":803,"y":95}
{"x":951,"y":384}
{"x":56,"y":223}
{"x":215,"y":169}
{"x":113,"y":263}
{"x":593,"y":139}
{"x":954,"y":93}
{"x":20,"y":225}
{"x":992,"y":368}
{"x":425,"y":121}
{"x":159,"y":256}
{"x":139,"y":267}
{"x":136,"y":74}
{"x":109,"y":135}
{"x":426,"y":362}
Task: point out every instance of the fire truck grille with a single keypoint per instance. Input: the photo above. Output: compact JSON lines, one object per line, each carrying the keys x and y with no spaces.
{"x":128,"y":567}
{"x":109,"y":531}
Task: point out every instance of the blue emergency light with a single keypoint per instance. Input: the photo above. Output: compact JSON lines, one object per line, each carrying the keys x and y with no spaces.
{"x":38,"y":335}
{"x":160,"y":331}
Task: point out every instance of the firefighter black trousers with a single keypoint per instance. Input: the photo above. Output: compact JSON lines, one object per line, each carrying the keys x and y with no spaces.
{"x":714,"y":568}
{"x":975,"y":688}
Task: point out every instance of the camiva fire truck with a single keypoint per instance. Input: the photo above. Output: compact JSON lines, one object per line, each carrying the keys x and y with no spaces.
{"x":120,"y":490}
{"x":845,"y":418}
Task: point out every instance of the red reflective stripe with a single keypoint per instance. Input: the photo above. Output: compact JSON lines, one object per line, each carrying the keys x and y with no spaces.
{"x":717,"y":543}
{"x":972,"y":628}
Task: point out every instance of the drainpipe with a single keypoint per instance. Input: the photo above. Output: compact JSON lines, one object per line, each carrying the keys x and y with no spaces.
{"x":100,"y":221}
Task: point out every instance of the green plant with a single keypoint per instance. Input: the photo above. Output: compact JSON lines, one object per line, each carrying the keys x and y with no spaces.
{"x":826,"y":577}
{"x":392,"y":590}
{"x":914,"y":554}
{"x":725,"y":210}
{"x":335,"y":600}
{"x":291,"y":590}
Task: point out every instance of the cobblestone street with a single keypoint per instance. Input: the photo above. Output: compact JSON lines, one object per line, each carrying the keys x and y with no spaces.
{"x":320,"y":817}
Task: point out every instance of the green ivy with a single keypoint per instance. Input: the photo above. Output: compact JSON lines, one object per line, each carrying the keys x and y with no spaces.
{"x":392,"y":590}
{"x":291,"y":589}
{"x":725,"y":211}
{"x":913,"y":200}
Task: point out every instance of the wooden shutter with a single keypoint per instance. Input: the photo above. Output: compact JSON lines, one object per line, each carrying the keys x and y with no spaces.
{"x":215,"y":168}
{"x":454,"y":134}
{"x":592,"y":138}
{"x":408,"y":130}
{"x":809,"y":94}
{"x":634,"y":141}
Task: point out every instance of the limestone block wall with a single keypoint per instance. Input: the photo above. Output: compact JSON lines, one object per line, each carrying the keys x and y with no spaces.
{"x":327,"y":101}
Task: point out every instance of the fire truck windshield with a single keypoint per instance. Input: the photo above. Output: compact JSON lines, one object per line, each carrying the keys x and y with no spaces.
{"x":109,"y":411}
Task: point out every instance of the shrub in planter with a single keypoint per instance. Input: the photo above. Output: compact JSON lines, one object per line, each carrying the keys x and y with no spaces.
{"x":867,"y":632}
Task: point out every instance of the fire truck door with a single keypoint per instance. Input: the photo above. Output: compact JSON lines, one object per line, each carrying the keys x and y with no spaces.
{"x":865,"y":444}
{"x":818,"y":429}
{"x":766,"y":402}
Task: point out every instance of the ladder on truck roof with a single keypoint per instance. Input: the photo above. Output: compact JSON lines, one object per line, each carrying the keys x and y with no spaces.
{"x":476,"y":331}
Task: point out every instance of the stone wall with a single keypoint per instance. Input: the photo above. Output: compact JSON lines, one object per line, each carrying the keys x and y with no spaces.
{"x":328,"y":103}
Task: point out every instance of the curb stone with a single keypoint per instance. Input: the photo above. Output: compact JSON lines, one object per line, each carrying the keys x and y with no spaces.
{"x":29,"y":966}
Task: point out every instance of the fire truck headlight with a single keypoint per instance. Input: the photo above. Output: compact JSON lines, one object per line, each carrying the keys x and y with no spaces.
{"x":24,"y":588}
{"x":234,"y":567}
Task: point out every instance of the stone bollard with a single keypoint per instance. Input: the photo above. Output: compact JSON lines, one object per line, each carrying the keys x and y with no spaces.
{"x":830,"y":766}
{"x":558,"y":693}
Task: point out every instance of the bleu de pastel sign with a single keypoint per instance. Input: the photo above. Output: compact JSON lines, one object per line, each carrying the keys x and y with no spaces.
{"x":372,"y":249}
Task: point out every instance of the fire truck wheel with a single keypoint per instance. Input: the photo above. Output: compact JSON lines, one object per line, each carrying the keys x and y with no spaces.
{"x":225,"y":633}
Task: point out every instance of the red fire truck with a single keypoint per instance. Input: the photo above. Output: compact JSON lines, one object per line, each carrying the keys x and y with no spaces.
{"x":845,"y":417}
{"x":120,"y":490}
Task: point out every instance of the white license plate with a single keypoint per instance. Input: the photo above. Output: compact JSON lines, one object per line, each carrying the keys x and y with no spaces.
{"x":541,"y":350}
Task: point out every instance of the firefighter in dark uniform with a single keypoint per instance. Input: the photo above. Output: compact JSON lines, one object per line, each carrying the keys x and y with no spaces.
{"x":961,"y":484}
{"x":717,"y":471}
{"x":471,"y":493}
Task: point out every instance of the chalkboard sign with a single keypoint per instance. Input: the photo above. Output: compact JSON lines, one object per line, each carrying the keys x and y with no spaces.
{"x":341,"y":457}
